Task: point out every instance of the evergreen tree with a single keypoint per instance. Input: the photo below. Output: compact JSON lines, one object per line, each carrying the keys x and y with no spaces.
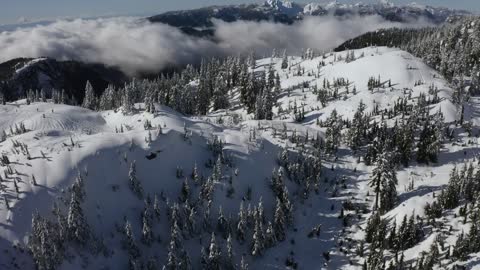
{"x":284,"y":60}
{"x":279,"y":222}
{"x":89,"y":101}
{"x":375,"y":259}
{"x":333,"y":133}
{"x":61,"y":221}
{"x":128,"y":98}
{"x":384,"y":181}
{"x":373,"y":224}
{"x":222,"y":224}
{"x":107,"y":99}
{"x":77,"y":225}
{"x":147,"y":220}
{"x":460,"y":251}
{"x":392,"y":238}
{"x":217,"y":170}
{"x":195,"y":175}
{"x":135,"y":185}
{"x":268,"y":102}
{"x":45,"y":244}
{"x":130,"y":243}
{"x":405,"y":142}
{"x":430,"y":139}
{"x":450,"y":197}
{"x":242,"y":224}
{"x":203,"y":101}
{"x":177,"y":258}
{"x":357,"y":129}
{"x":230,"y":260}
{"x":258,"y":244}
{"x":277,"y":87}
{"x":172,"y":260}
{"x":156,"y":207}
{"x":185,"y":192}
{"x":220,"y":97}
{"x":432,"y":258}
{"x":270,"y":238}
{"x":214,"y":254}
{"x":243,"y":264}
{"x":191,"y":221}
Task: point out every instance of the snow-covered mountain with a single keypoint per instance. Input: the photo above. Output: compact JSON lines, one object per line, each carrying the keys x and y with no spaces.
{"x":142,"y":189}
{"x":18,"y":76}
{"x":286,"y":11}
{"x":284,"y":6}
{"x":385,"y":9}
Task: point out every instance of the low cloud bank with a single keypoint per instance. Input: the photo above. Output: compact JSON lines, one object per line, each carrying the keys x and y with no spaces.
{"x":136,"y":45}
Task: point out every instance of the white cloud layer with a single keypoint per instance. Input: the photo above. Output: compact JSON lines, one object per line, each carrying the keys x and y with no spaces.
{"x":135,"y":45}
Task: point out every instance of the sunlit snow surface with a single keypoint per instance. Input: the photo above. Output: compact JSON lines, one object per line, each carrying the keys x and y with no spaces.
{"x":100,"y":151}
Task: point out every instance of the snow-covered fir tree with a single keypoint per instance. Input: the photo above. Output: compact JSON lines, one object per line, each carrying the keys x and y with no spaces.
{"x":89,"y":100}
{"x":134,"y":182}
{"x":384,"y":181}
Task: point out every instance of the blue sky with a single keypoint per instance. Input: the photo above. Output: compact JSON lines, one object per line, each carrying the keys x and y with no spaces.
{"x":14,"y":11}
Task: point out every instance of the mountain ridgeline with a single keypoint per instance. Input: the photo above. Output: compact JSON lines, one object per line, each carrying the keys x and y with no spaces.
{"x":200,"y":22}
{"x":18,"y":76}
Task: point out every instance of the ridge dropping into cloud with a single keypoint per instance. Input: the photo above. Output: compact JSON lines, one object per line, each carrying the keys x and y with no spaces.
{"x":135,"y":45}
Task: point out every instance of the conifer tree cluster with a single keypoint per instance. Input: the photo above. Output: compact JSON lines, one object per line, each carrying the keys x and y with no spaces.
{"x":215,"y":79}
{"x":254,"y":229}
{"x":382,"y":237}
{"x":384,"y":181}
{"x":50,"y":239}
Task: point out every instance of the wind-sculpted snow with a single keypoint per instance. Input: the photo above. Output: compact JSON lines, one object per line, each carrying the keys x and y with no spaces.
{"x":41,"y":117}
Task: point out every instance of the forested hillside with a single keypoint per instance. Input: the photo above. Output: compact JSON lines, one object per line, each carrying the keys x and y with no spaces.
{"x":347,"y":160}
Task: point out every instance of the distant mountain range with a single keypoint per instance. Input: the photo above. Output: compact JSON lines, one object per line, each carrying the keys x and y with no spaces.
{"x":199,"y":22}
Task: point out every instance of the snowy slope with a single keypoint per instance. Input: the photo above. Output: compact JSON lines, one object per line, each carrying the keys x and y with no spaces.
{"x":390,"y":64}
{"x":64,"y":140}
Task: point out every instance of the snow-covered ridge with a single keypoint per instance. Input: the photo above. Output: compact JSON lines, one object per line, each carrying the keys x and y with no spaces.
{"x":284,"y":6}
{"x":287,"y":12}
{"x":168,"y":148}
{"x":380,"y":6}
{"x":312,"y":8}
{"x":25,"y":66}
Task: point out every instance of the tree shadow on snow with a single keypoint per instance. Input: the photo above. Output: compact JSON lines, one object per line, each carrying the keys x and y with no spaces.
{"x":418,"y":192}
